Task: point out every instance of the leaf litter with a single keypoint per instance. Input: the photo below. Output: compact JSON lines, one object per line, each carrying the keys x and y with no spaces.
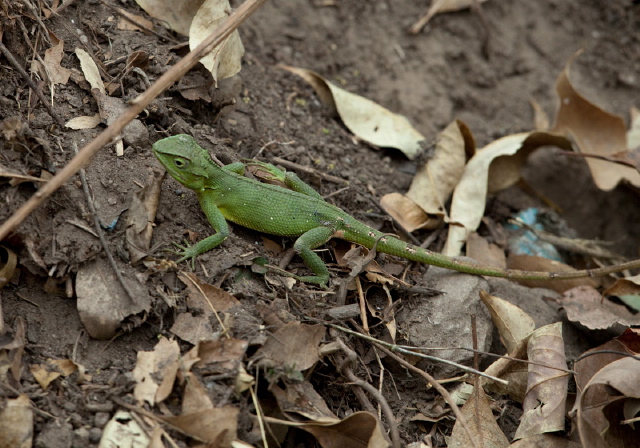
{"x":193,"y":390}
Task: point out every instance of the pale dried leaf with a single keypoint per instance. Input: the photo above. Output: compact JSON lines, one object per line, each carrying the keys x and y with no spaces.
{"x":516,"y":372}
{"x":16,"y":423}
{"x":84,"y":122}
{"x":123,"y":431}
{"x":513,"y":324}
{"x":442,"y":6}
{"x":494,"y":167}
{"x":366,"y":119}
{"x":155,"y":371}
{"x":546,"y":398}
{"x":175,"y":15}
{"x":126,"y":25}
{"x":481,"y":422}
{"x":595,"y":131}
{"x":224,"y":60}
{"x":90,"y":70}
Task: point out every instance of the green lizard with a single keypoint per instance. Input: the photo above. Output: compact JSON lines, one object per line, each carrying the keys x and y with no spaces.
{"x":226,"y":195}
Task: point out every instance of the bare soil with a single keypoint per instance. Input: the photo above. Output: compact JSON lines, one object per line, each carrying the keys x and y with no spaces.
{"x":432,"y":78}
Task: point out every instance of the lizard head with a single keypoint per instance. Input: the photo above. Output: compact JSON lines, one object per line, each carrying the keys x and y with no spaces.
{"x":184,"y":159}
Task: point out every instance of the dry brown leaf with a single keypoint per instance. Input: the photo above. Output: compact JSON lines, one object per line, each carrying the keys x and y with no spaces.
{"x":491,"y":169}
{"x":593,"y":361}
{"x":540,"y":118}
{"x":546,"y":398}
{"x":633,"y":135}
{"x":44,"y":374}
{"x":442,"y":6}
{"x":364,"y":118}
{"x":155,"y":371}
{"x":11,"y":352}
{"x":192,"y":328}
{"x":595,"y":131}
{"x":195,"y":397}
{"x":56,"y":73}
{"x":406,"y":212}
{"x":481,"y":422}
{"x":126,"y":25}
{"x":103,"y":304}
{"x":222,"y":355}
{"x":205,"y":296}
{"x":140,"y":217}
{"x":435,"y":181}
{"x":217,"y":426}
{"x":8,"y":263}
{"x":624,"y":286}
{"x":586,"y":306}
{"x":16,"y":423}
{"x":621,"y":381}
{"x":544,"y":441}
{"x":359,"y":430}
{"x":294,"y":345}
{"x":175,"y":15}
{"x":513,"y":324}
{"x":535,"y":263}
{"x":485,"y":253}
{"x":225,"y":60}
{"x":296,"y":399}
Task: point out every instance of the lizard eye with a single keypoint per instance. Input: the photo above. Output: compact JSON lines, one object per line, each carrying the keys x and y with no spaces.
{"x":180,"y":163}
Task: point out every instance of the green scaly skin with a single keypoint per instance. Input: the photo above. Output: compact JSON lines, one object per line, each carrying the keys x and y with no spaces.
{"x":226,"y":195}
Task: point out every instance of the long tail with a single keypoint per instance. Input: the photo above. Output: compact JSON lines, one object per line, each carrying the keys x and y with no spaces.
{"x":394,"y":246}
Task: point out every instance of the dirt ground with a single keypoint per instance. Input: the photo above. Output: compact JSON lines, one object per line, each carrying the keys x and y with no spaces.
{"x":432,"y":78}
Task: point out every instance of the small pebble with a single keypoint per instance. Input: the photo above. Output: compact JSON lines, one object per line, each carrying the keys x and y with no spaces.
{"x":95,"y":434}
{"x":101,"y":419}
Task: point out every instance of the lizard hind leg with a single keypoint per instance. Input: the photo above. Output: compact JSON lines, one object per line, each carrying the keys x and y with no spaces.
{"x":304,"y":246}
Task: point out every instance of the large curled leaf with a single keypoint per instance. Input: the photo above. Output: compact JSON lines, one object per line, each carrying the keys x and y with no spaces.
{"x":366,"y":119}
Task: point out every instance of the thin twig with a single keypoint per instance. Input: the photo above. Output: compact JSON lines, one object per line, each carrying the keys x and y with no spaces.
{"x":437,"y":386}
{"x":137,"y":106}
{"x":345,"y":368}
{"x":32,"y":85}
{"x":305,"y":169}
{"x":96,"y":223}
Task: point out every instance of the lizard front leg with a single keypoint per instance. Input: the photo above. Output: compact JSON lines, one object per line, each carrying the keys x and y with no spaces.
{"x":219,"y":224}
